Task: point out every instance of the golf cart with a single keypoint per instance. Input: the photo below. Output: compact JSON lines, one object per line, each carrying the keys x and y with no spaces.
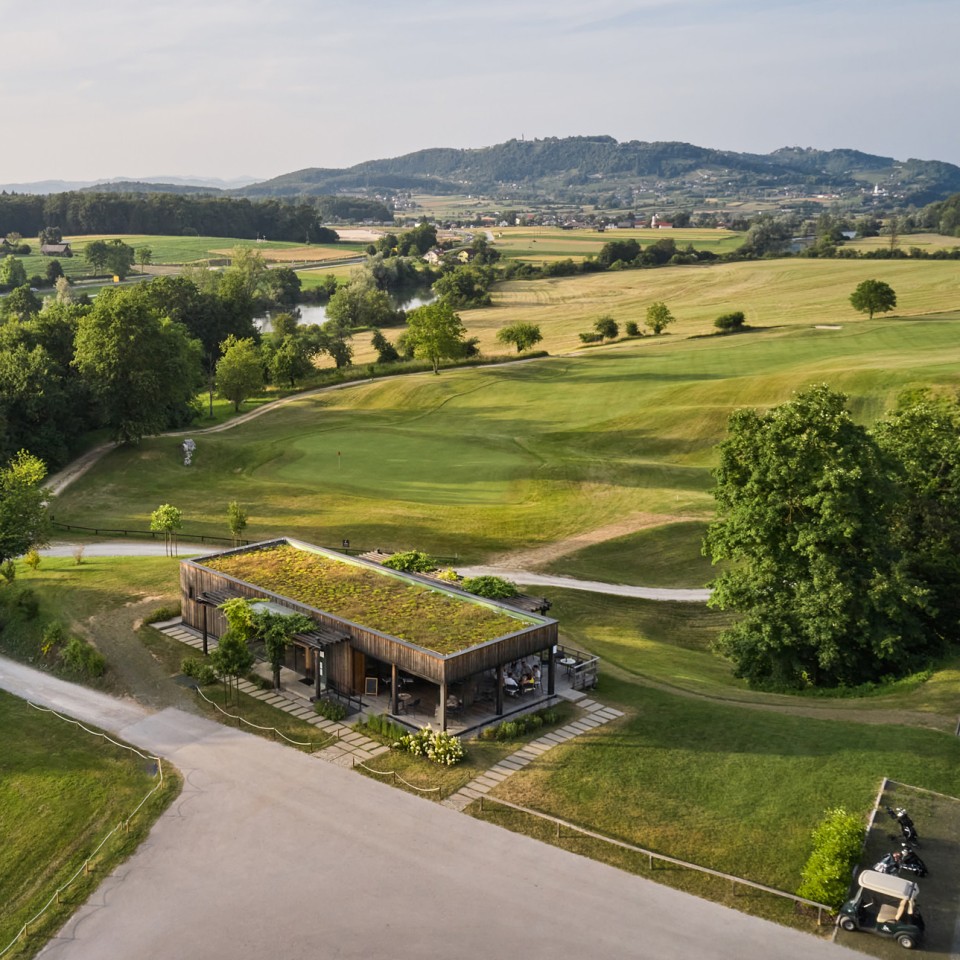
{"x":884,"y":905}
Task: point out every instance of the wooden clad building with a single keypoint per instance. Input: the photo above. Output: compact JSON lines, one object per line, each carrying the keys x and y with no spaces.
{"x":339,"y":651}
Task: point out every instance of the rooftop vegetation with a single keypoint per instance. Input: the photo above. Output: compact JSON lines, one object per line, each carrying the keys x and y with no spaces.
{"x":430,"y":618}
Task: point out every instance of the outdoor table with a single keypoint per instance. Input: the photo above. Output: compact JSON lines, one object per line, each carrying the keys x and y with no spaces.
{"x":569,"y":663}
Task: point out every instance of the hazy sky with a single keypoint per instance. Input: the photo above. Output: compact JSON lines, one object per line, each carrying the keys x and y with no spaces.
{"x":207,"y":87}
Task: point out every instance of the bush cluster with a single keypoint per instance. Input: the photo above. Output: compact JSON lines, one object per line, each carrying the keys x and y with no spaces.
{"x":381,"y":725}
{"x":439,"y":746}
{"x":200,"y":670}
{"x":329,"y":710}
{"x":837,"y":841}
{"x":411,"y":561}
{"x":514,"y":729}
{"x":493,"y":588}
{"x":81,"y":659}
{"x":18,"y":602}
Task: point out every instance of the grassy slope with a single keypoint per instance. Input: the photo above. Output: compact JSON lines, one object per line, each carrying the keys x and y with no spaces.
{"x":725,"y":787}
{"x":770,"y":292}
{"x":476,"y":462}
{"x":61,"y":792}
{"x":666,"y":556}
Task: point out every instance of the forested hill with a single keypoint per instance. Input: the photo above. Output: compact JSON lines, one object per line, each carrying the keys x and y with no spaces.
{"x":570,"y":167}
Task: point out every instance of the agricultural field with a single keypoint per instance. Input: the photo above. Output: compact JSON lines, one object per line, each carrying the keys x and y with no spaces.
{"x":177,"y":251}
{"x":485,"y":461}
{"x":543,"y":244}
{"x":62,"y":791}
{"x":928,"y":242}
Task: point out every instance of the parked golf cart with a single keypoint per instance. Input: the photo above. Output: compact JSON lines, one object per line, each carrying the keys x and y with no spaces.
{"x":884,"y":905}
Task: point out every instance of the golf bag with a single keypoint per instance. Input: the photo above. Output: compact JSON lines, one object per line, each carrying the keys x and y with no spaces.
{"x":900,"y":862}
{"x":907,"y":828}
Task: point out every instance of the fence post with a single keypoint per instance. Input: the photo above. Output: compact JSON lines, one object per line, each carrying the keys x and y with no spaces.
{"x":558,"y":829}
{"x":481,"y":803}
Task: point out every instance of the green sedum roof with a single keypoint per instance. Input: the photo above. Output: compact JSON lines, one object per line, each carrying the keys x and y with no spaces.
{"x":389,"y":602}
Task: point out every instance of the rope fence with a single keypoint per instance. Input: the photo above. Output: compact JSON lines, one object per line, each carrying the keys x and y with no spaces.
{"x":398,"y":779}
{"x":124,"y":824}
{"x":257,"y":726}
{"x":651,"y":856}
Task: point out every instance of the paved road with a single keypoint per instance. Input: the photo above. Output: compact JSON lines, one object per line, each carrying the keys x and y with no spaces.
{"x":526,"y":578}
{"x":148,"y":548}
{"x":269,"y":852}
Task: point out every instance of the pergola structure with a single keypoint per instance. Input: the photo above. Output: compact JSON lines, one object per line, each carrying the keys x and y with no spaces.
{"x":336,"y":652}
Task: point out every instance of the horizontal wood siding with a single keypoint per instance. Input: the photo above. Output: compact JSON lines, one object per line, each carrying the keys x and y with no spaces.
{"x":504,"y":650}
{"x":196,"y":580}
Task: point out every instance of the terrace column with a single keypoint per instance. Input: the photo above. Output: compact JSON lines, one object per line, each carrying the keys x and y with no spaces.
{"x":203,"y":607}
{"x":393,"y":688}
{"x":499,"y":689}
{"x":317,"y":671}
{"x":551,"y":673}
{"x":442,"y":709}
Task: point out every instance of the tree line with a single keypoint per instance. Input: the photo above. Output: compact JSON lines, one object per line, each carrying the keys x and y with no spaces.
{"x":164,"y":214}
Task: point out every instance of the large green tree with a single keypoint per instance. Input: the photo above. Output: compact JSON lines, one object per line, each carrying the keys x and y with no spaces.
{"x":209,"y":314}
{"x":922,"y":438}
{"x":24,"y":522}
{"x":96,"y":254}
{"x":465,"y":286}
{"x":873,"y":296}
{"x":659,"y":317}
{"x":12,"y":272}
{"x":239,"y":370}
{"x":805,"y":504}
{"x":361,"y":304}
{"x":435,"y":333}
{"x":522,"y":335}
{"x":143,"y":368}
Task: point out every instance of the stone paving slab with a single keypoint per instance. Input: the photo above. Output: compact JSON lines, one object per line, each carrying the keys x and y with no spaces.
{"x":378,"y":751}
{"x":493,"y":774}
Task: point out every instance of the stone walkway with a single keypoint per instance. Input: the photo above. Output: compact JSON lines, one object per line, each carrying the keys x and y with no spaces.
{"x":350,"y":746}
{"x":596,"y":716}
{"x":348,"y":743}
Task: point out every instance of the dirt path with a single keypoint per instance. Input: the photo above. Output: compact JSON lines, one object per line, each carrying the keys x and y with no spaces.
{"x":135,"y":670}
{"x":536,"y":557}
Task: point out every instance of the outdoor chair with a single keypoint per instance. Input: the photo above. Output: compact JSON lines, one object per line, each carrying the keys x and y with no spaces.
{"x":412,"y":705}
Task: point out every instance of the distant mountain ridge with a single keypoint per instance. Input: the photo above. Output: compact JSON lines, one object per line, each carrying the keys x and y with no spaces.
{"x":158,"y":184}
{"x":578,"y":165}
{"x":580,"y":169}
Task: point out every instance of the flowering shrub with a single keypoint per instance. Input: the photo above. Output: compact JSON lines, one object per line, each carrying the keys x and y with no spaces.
{"x":439,"y":746}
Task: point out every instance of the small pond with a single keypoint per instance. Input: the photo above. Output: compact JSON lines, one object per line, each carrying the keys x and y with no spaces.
{"x":317,"y":313}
